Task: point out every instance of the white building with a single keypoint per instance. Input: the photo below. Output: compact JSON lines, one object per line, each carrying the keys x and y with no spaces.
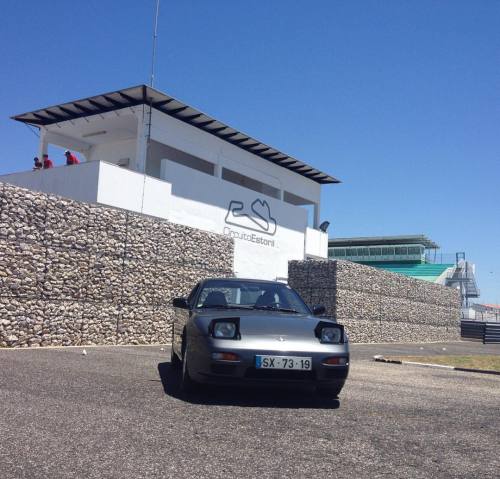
{"x":145,"y":151}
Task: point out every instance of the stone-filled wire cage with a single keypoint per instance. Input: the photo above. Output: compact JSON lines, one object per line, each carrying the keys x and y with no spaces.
{"x":73,"y":273}
{"x":376,"y":305}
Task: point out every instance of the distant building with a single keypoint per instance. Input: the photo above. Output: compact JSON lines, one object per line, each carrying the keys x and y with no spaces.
{"x":387,"y":249}
{"x":411,"y":255}
{"x":483,"y":312}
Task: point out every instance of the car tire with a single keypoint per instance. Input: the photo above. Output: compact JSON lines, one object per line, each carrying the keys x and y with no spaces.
{"x":175,"y":362}
{"x":331,"y":392}
{"x":187,"y":384}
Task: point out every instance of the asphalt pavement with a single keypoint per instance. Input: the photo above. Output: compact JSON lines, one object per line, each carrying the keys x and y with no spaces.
{"x":117,"y":413}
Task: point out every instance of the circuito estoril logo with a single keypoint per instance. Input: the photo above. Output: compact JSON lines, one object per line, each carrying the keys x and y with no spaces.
{"x":257,"y":217}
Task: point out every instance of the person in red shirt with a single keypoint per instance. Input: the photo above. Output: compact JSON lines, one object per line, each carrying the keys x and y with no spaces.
{"x":47,"y":162}
{"x":70,"y":158}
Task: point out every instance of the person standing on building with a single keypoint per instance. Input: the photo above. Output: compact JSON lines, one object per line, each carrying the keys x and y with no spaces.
{"x":47,"y":162}
{"x":71,"y":159}
{"x":38,"y":164}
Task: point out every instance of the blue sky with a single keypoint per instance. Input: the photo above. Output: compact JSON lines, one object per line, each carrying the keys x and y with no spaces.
{"x":399,"y":99}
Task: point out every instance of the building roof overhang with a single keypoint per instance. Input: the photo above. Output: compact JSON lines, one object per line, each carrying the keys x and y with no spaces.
{"x":384,"y":241}
{"x":145,"y":95}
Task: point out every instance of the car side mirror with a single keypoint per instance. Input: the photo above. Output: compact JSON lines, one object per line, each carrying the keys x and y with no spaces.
{"x":180,"y":303}
{"x":318,"y":310}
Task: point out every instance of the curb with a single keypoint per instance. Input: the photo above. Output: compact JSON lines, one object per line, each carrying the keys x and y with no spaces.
{"x":84,"y":346}
{"x":381,"y":359}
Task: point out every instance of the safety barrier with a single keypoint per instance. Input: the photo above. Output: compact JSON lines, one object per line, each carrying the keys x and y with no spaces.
{"x":488,"y":333}
{"x":491,"y":333}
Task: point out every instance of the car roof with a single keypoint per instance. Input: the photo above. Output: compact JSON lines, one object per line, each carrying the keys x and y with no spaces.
{"x":249,"y":280}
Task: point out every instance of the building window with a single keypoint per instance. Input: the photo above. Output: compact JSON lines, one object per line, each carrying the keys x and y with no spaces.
{"x":159,"y":151}
{"x":414,"y":250}
{"x":250,"y":183}
{"x":401,"y":250}
{"x":193,"y":162}
{"x":375,"y":251}
{"x":296,"y":200}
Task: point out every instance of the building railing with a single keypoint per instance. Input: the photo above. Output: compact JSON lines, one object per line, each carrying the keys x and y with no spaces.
{"x":439,"y":258}
{"x":379,"y":258}
{"x":428,"y":257}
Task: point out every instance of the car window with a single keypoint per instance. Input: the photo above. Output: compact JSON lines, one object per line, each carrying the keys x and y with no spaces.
{"x":251,"y":294}
{"x":192,"y":294}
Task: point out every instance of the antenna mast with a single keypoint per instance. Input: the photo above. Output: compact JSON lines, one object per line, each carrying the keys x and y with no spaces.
{"x":155,"y":35}
{"x":150,"y":113}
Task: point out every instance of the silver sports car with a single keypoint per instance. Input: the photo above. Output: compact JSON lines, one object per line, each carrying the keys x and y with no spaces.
{"x":251,"y":331}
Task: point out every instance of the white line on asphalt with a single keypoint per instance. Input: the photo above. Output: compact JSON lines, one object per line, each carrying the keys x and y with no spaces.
{"x":427,"y":365}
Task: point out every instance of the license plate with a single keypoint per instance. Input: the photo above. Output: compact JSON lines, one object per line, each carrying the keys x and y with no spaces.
{"x":283,"y":362}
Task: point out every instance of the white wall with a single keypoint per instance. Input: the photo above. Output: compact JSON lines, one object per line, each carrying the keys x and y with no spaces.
{"x":133,"y":191}
{"x":78,"y":182}
{"x":316,"y":243}
{"x":202,"y":201}
{"x":100,"y":182}
{"x":113,"y":152}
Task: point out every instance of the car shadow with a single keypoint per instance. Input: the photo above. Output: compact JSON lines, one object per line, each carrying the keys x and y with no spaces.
{"x":270,"y":397}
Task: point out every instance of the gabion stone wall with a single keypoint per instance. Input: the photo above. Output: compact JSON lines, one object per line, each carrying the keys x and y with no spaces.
{"x":378,"y":306}
{"x":74,"y":273}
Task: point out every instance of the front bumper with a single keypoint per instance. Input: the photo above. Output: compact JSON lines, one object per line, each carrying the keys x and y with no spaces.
{"x":203,"y":369}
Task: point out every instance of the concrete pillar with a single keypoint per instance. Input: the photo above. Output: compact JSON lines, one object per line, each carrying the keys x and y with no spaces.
{"x":316,"y":215}
{"x":43,"y":144}
{"x":218,"y":170}
{"x":164,"y":169}
{"x":141,"y":146}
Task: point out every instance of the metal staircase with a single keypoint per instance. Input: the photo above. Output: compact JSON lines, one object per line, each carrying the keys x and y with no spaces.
{"x":463,"y":278}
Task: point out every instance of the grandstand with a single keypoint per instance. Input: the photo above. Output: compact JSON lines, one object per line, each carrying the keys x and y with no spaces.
{"x":415,"y":256}
{"x":424,"y":271}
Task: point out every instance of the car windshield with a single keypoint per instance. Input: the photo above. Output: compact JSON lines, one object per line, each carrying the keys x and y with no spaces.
{"x":231,"y":294}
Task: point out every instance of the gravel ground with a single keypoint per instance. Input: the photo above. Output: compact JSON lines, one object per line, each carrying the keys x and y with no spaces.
{"x":116,"y":413}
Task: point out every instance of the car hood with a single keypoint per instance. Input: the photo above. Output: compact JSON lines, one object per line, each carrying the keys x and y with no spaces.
{"x":262,"y":323}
